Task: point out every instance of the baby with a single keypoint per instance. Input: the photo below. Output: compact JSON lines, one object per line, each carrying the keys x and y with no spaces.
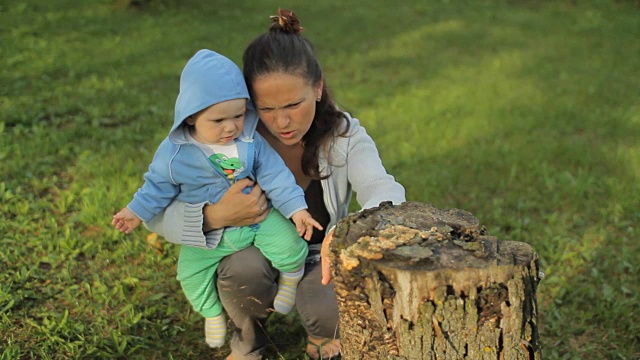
{"x":212,"y":143}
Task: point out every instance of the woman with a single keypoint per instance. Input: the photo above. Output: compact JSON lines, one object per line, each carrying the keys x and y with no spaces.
{"x":330,"y":155}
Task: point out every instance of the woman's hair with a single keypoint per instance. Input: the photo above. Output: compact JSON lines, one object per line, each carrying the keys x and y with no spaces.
{"x":283,"y":49}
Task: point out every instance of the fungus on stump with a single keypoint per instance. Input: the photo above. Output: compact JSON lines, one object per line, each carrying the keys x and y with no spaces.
{"x":416,"y":282}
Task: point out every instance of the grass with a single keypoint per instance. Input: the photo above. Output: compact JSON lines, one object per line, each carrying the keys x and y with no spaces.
{"x":525,"y":113}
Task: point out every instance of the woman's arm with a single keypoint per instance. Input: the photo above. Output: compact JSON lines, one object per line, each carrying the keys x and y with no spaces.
{"x":367,"y":175}
{"x":201,"y":225}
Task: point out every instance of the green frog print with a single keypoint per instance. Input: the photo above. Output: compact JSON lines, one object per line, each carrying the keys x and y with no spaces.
{"x":229,"y":166}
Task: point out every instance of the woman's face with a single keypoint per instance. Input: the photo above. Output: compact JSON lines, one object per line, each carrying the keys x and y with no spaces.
{"x":286,"y":104}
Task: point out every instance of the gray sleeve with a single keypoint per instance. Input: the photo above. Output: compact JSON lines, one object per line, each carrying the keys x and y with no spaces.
{"x":367,"y":174}
{"x":181,"y":223}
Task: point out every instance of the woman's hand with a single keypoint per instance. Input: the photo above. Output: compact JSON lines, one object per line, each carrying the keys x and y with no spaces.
{"x":325,"y":262}
{"x":236,"y":208}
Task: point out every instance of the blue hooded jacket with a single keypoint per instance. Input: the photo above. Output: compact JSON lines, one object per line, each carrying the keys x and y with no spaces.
{"x":180,"y":169}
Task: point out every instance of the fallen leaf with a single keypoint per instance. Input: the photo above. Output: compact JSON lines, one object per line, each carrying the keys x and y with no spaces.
{"x":154,"y":243}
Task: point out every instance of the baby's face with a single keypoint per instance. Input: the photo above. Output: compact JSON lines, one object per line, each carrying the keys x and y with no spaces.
{"x":219,"y":123}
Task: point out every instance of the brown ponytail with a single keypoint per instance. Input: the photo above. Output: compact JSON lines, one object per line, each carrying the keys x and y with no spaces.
{"x":286,"y":21}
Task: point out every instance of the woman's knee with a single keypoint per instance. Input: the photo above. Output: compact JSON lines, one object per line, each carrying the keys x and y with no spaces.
{"x":249,"y":260}
{"x":245,"y":269}
{"x":246,"y":285}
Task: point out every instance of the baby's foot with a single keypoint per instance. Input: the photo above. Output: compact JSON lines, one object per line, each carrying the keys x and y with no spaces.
{"x":215,"y":329}
{"x":287,"y":286}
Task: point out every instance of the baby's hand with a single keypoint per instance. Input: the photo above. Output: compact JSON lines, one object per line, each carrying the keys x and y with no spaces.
{"x":125,"y":221}
{"x":305,"y":224}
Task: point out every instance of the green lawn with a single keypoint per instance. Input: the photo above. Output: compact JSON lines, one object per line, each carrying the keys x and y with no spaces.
{"x":525,"y":113}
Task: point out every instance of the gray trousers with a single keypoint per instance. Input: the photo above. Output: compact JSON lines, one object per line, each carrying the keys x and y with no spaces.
{"x":247,"y":285}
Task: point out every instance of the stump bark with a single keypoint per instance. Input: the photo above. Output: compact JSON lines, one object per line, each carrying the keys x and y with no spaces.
{"x":416,"y":282}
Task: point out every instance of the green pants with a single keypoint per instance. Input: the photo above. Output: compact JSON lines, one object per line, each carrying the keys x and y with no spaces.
{"x":277,"y":239}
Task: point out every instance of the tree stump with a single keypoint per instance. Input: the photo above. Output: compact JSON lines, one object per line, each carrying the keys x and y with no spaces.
{"x":416,"y":282}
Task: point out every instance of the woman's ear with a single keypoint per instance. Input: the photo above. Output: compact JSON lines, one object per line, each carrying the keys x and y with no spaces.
{"x":319,"y":89}
{"x":190,"y":120}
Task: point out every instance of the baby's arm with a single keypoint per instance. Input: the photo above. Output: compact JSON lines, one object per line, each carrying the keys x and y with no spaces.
{"x":125,"y":221}
{"x":305,"y":224}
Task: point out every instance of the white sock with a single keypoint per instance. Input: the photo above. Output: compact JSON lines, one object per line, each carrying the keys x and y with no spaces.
{"x":215,"y":330}
{"x":287,"y":286}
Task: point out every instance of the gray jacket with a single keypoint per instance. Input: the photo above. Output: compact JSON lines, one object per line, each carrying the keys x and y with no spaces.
{"x":354,"y":165}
